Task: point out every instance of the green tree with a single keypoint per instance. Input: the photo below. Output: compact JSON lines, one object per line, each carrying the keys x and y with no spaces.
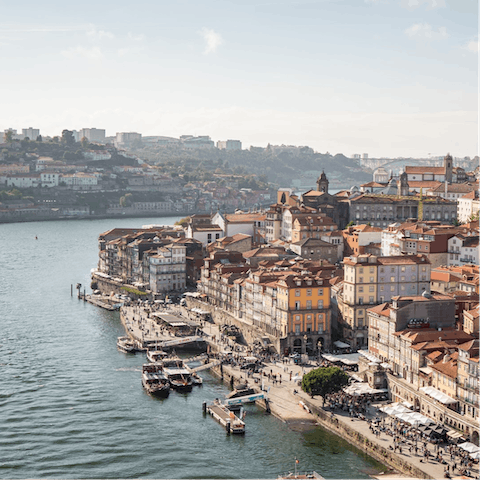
{"x":39,"y":138}
{"x":67,"y":137}
{"x":183,"y":221}
{"x":324,"y":381}
{"x":350,"y":224}
{"x":8,"y":135}
{"x":84,"y":142}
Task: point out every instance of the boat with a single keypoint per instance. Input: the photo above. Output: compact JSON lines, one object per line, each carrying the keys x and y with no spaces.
{"x":154,"y":380}
{"x":126,"y":345}
{"x":178,"y":375}
{"x":225,"y":417}
{"x":154,"y":356}
{"x":241,"y":390}
{"x":196,"y":379}
{"x":300,"y":476}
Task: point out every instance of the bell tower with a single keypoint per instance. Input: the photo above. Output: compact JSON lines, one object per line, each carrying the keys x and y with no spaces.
{"x":448,"y":164}
{"x":403,"y":187}
{"x":322,"y":183}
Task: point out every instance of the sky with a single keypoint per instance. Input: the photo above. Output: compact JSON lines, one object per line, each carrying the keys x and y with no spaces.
{"x":385,"y":77}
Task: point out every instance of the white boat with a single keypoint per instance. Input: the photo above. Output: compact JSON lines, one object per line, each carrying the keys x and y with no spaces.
{"x":126,"y":345}
{"x":155,"y":356}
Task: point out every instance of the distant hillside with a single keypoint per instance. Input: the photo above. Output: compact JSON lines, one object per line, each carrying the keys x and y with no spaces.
{"x":280,"y":167}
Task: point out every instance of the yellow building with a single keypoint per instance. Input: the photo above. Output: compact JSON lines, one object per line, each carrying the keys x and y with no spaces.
{"x":304,"y":307}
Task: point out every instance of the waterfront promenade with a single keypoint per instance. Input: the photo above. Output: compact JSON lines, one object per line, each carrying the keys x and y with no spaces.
{"x":290,"y":404}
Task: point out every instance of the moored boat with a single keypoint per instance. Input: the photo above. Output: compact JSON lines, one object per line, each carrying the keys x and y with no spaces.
{"x":154,"y":380}
{"x":126,"y":345}
{"x":178,"y":375}
{"x":155,"y":356}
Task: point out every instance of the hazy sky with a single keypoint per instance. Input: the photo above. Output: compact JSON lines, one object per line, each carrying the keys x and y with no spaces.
{"x":383,"y":77}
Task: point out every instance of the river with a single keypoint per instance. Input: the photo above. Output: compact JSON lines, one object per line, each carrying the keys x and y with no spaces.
{"x":72,"y":405}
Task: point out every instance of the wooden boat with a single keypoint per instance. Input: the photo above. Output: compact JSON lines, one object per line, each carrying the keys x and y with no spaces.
{"x":178,"y":375}
{"x":154,"y":356}
{"x":126,"y":345}
{"x":226,"y":418}
{"x":196,"y":379}
{"x":154,"y":380}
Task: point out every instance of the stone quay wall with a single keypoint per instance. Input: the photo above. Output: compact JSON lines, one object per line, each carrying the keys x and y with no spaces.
{"x":380,"y":453}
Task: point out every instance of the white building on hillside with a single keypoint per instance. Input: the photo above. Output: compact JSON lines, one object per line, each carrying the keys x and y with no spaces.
{"x":168,"y":268}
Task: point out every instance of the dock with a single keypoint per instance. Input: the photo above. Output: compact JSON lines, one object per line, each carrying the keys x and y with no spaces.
{"x":102,"y":303}
{"x":226,"y":418}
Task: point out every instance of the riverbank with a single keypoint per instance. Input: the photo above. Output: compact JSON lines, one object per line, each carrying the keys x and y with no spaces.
{"x":290,"y":404}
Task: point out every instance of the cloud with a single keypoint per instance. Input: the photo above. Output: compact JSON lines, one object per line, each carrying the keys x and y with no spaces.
{"x":473,"y":45}
{"x":425,"y":30}
{"x":212,"y":40}
{"x":136,"y":38}
{"x":95,"y":34}
{"x":430,"y":4}
{"x":93,"y":53}
{"x":42,"y":29}
{"x":372,"y":1}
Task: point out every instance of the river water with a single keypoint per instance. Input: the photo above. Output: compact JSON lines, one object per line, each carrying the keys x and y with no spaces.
{"x":72,"y":405}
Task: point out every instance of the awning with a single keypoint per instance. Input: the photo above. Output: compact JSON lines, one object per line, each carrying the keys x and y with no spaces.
{"x":454,"y":434}
{"x":346,"y":358}
{"x":425,"y":370}
{"x":414,"y":418}
{"x":469,"y":447}
{"x":340,"y":344}
{"x":386,"y":366}
{"x":360,"y":388}
{"x":438,"y":395}
{"x":369,"y":356}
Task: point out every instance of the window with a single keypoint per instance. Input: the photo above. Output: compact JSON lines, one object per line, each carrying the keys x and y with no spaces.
{"x":320,"y":291}
{"x":392,"y":288}
{"x":297,"y":318}
{"x":392,"y":269}
{"x":320,"y":317}
{"x":360,"y":270}
{"x":217,"y":236}
{"x":360,"y":289}
{"x":392,"y":279}
{"x":309,"y":292}
{"x":402,"y":278}
{"x":309,"y":327}
{"x":209,"y":237}
{"x":371,"y":270}
{"x":320,"y":304}
{"x":371,"y":279}
{"x":361,"y":279}
{"x":297,"y":329}
{"x":309,"y":304}
{"x":402,"y":269}
{"x":297,"y":305}
{"x":382,"y":288}
{"x":382,"y":269}
{"x":424,"y":268}
{"x":370,"y":299}
{"x":297,"y":293}
{"x":371,"y":288}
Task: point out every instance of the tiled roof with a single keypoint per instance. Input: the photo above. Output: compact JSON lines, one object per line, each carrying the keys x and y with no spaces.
{"x":425,"y":169}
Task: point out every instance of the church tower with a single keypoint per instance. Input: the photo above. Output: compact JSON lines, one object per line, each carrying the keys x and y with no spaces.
{"x":402,"y":185}
{"x":448,"y":164}
{"x":322,"y":183}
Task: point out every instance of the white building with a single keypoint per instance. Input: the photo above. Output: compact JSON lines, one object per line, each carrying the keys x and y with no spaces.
{"x":23,"y":180}
{"x":92,"y":134}
{"x":49,"y":179}
{"x":463,"y":249}
{"x":97,"y":155}
{"x":79,"y":179}
{"x":468,"y":206}
{"x":167,"y":269}
{"x":229,"y":145}
{"x":31,"y":133}
{"x":127,"y":138}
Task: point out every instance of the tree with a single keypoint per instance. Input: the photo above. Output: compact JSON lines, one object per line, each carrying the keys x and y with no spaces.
{"x":183,"y":222}
{"x":350,"y":224}
{"x":39,"y":138}
{"x":8,"y":135}
{"x":84,"y":142}
{"x":67,"y":137}
{"x":324,"y":381}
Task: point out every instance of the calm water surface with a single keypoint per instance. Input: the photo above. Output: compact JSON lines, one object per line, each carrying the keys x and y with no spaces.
{"x":72,"y":406}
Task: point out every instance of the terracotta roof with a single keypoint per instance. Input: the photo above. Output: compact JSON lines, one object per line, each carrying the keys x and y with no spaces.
{"x":382,"y":309}
{"x":245,"y":217}
{"x":425,"y":184}
{"x":448,"y":368}
{"x":455,"y":188}
{"x":471,"y":195}
{"x":425,"y":169}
